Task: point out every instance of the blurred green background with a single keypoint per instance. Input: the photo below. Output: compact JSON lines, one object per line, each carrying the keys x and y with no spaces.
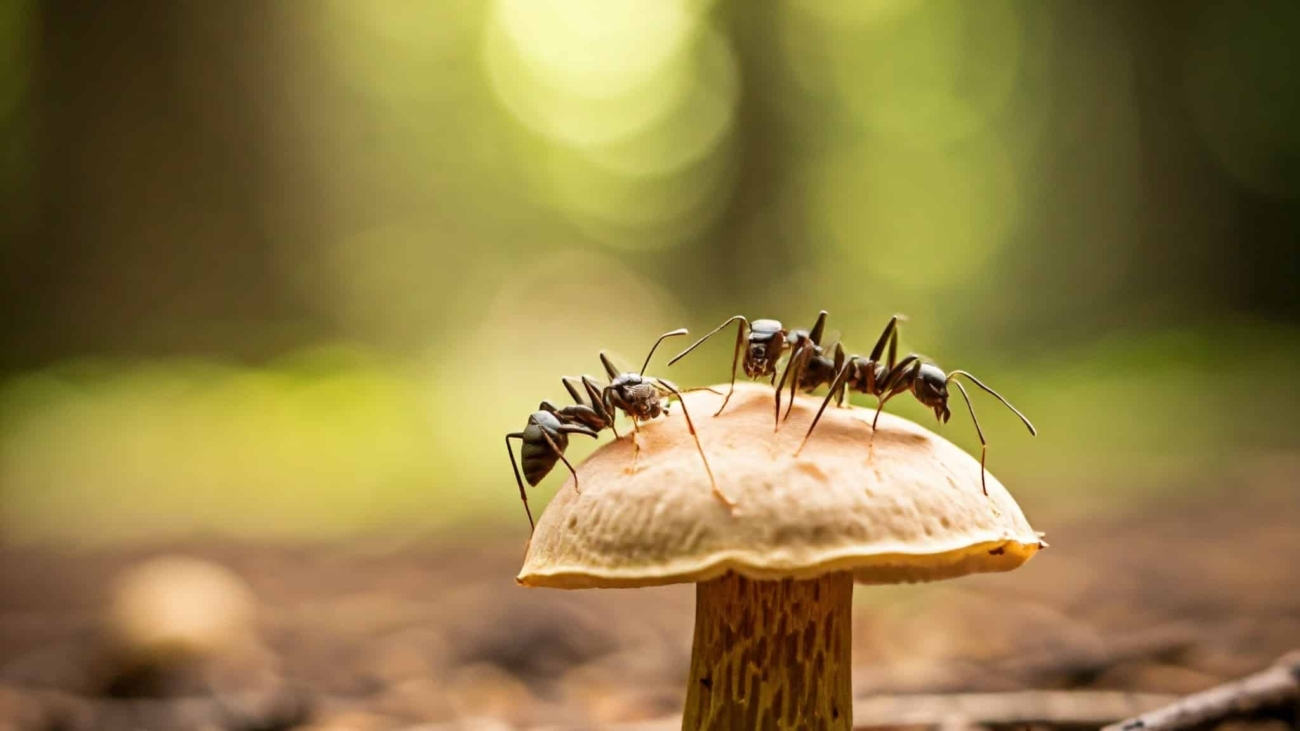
{"x":291,"y":269}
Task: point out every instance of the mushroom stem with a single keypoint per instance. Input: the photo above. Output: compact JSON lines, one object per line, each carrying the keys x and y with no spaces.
{"x":771,"y":654}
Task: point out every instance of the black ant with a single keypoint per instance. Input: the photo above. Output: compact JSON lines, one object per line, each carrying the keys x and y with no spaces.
{"x":544,"y":441}
{"x":642,"y":397}
{"x":546,"y":437}
{"x":811,"y":366}
{"x":927,"y":382}
{"x":763,"y":342}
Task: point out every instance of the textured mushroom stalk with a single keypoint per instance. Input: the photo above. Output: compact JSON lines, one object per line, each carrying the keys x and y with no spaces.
{"x":771,"y":654}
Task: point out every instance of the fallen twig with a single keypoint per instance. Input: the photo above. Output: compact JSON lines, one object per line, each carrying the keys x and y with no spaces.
{"x":1060,"y":708}
{"x":1263,"y":693}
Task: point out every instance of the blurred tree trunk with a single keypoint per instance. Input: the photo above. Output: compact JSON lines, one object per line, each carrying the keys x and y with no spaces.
{"x":152,"y":161}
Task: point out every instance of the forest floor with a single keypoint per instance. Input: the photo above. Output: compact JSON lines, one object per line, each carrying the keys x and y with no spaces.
{"x":367,"y":637}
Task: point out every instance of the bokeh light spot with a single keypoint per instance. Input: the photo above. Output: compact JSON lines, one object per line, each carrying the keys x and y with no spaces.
{"x":919,"y":218}
{"x":933,"y":71}
{"x":595,"y":48}
{"x":565,"y":86}
{"x":692,"y":129}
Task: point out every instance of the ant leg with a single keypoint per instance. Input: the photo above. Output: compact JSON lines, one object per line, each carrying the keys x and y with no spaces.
{"x":818,"y":329}
{"x":578,"y":429}
{"x":735,"y":361}
{"x":791,"y":364}
{"x":894,"y":385}
{"x":776,"y":419}
{"x":841,"y":379}
{"x":880,"y":406}
{"x":777,"y":398}
{"x":610,"y":370}
{"x":799,"y":361}
{"x":523,"y":495}
{"x":597,"y":396}
{"x":893,"y":349}
{"x":892,"y":329}
{"x":879,"y":350}
{"x":690,"y":426}
{"x":636,"y":445}
{"x":839,"y":363}
{"x":573,"y":390}
{"x":560,"y":453}
{"x":742,"y":325}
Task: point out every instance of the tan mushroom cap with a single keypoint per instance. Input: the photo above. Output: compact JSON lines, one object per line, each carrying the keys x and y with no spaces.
{"x":911,"y":511}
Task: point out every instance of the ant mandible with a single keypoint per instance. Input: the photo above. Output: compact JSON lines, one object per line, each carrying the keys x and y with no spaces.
{"x":763,"y":343}
{"x":643,"y":397}
{"x":927,"y":382}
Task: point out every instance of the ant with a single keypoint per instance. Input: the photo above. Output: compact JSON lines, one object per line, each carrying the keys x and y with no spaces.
{"x":812,"y":367}
{"x":642,"y":398}
{"x":546,"y":437}
{"x":763,"y":342}
{"x":927,"y":382}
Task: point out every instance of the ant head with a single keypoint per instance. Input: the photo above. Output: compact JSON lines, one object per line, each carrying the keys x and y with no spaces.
{"x":931,"y":389}
{"x":654,"y":408}
{"x":766,"y":342}
{"x":637,"y":397}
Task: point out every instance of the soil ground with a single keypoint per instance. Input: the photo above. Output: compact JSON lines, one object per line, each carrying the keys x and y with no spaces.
{"x":368,"y":637}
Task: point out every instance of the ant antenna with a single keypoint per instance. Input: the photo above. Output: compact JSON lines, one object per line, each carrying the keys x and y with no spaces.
{"x":737,"y":318}
{"x":952,"y":377}
{"x":984,"y":445}
{"x":678,"y":331}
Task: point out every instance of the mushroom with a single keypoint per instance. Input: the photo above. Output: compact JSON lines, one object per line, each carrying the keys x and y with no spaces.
{"x":171,"y":620}
{"x":774,"y":575}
